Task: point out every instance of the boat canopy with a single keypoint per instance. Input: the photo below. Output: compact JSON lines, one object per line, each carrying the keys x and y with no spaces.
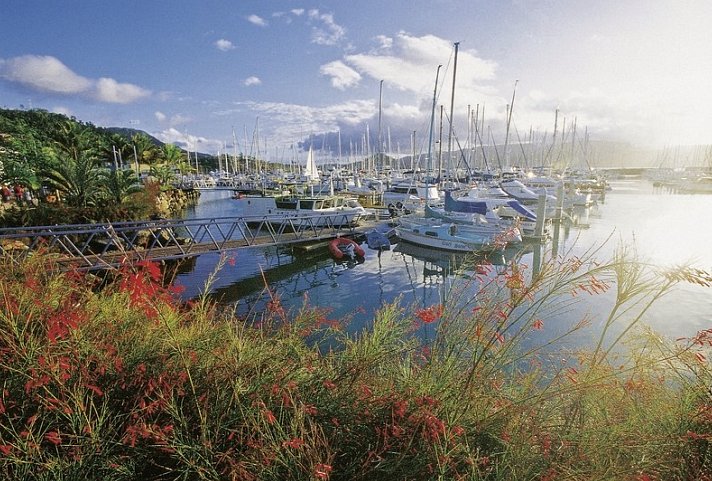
{"x":482,"y":206}
{"x":469,"y":206}
{"x":520,"y":209}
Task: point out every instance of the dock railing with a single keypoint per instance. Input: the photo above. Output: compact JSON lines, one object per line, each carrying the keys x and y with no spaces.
{"x":98,"y":246}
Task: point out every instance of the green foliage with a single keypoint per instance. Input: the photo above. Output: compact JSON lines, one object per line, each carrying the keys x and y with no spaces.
{"x":85,"y":169}
{"x":118,"y":380}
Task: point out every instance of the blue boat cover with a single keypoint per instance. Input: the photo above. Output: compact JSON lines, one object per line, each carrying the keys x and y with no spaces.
{"x":481,"y":206}
{"x":472,"y":207}
{"x":377,"y":240}
{"x":526,"y":213}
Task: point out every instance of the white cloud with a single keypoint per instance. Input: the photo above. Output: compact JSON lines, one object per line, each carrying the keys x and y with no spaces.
{"x":49,"y":74}
{"x":408,"y":63}
{"x":329,"y":32}
{"x":188,"y":141}
{"x":298,"y":12}
{"x":384,"y":42}
{"x":290,"y":121}
{"x":249,"y":81}
{"x":224,"y":45}
{"x":43,"y":73}
{"x":110,"y":91}
{"x":342,"y":76}
{"x":174,"y":120}
{"x":257,"y":20}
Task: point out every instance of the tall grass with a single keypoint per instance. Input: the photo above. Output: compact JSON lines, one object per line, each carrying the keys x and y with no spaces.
{"x":119,"y":380}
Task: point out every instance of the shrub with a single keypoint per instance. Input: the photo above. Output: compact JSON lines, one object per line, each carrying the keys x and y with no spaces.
{"x":121,"y":380}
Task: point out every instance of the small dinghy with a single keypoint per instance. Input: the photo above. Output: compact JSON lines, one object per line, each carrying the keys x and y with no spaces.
{"x":377,"y":240}
{"x":343,"y":247}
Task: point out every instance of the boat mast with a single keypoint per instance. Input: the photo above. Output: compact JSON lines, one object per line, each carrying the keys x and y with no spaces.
{"x":379,"y":149}
{"x":510,"y":108}
{"x":452,"y":113}
{"x":430,"y":139}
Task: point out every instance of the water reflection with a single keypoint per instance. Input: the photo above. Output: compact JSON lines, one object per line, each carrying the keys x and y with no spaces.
{"x":665,"y":228}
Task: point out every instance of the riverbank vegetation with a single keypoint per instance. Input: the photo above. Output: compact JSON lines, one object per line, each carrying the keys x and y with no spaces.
{"x":61,"y":170}
{"x":115,"y":379}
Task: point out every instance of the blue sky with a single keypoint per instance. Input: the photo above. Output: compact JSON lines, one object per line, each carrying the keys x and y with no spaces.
{"x":194,"y":72}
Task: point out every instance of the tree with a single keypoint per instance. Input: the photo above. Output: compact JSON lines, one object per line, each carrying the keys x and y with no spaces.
{"x":172,"y":155}
{"x":119,"y":184}
{"x":146,"y":150}
{"x":163,"y":173}
{"x":119,"y":150}
{"x":79,"y":181}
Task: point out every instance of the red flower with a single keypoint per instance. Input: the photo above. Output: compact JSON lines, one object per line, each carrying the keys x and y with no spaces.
{"x":269,"y":417}
{"x":294,"y":443}
{"x":322,"y":471}
{"x":538,"y":325}
{"x":430,"y":314}
{"x":53,"y":437}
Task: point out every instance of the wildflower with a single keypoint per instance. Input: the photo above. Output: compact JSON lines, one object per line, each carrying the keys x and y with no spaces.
{"x":430,"y":314}
{"x":176,"y":289}
{"x":294,"y":443}
{"x":538,"y":325}
{"x":5,"y":449}
{"x":400,"y":408}
{"x":269,"y":416}
{"x":322,"y":471}
{"x":458,"y":431}
{"x":95,"y":389}
{"x":328,"y":384}
{"x":53,"y":437}
{"x":310,"y":409}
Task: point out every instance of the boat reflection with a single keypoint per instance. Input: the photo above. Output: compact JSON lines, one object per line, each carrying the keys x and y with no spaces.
{"x":449,"y":263}
{"x":435,"y":275}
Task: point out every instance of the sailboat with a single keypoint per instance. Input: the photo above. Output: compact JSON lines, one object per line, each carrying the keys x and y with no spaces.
{"x":440,"y":233}
{"x":311,"y":173}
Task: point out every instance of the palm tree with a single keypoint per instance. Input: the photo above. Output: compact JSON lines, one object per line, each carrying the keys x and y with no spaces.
{"x":163,"y":173}
{"x":119,"y":184}
{"x":172,"y":154}
{"x":74,"y":140}
{"x":146,"y":151}
{"x":79,"y":181}
{"x":119,"y":149}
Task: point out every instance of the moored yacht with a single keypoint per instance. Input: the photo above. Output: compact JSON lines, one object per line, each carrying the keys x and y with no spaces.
{"x":310,"y":210}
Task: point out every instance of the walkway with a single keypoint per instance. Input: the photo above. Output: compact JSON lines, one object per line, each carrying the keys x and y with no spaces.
{"x":99,"y":246}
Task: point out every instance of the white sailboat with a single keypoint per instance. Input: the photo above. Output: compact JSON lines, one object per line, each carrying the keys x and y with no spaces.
{"x":311,"y":173}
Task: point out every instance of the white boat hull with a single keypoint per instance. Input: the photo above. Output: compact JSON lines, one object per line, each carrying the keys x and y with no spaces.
{"x":447,"y":236}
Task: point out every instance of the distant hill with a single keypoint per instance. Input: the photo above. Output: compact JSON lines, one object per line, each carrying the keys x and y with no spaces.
{"x":28,"y":132}
{"x":128,"y":133}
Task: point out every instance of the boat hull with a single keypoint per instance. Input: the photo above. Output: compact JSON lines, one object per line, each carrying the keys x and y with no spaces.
{"x":451,"y":237}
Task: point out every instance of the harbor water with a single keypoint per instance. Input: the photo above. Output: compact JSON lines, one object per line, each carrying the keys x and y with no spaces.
{"x":664,"y":228}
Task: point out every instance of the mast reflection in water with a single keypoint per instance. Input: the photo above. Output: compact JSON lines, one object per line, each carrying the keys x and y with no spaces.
{"x":666,"y":228}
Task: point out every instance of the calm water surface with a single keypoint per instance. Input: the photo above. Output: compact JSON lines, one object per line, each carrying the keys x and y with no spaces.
{"x":667,"y":229}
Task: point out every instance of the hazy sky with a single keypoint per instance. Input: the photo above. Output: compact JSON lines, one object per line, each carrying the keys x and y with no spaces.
{"x":194,"y":72}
